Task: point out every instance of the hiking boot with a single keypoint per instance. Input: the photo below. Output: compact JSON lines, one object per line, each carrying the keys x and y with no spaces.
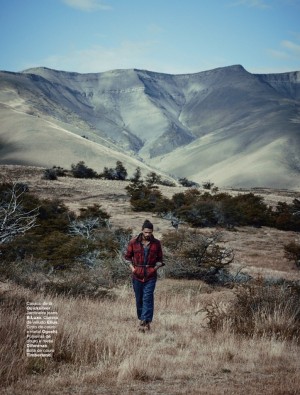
{"x":142,"y":326}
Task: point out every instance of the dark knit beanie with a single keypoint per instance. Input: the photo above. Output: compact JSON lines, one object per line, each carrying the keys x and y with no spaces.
{"x":147,"y":224}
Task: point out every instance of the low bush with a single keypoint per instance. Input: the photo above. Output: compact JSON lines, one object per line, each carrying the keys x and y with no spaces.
{"x":118,"y":173}
{"x":80,"y":170}
{"x":146,"y":198}
{"x":49,"y":174}
{"x":54,"y":173}
{"x":193,"y":255}
{"x":187,"y":183}
{"x":292,"y":252}
{"x":286,"y":216}
{"x":259,"y":310}
{"x":167,"y":183}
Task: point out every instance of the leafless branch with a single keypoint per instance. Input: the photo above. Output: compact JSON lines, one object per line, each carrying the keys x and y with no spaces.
{"x":14,"y":220}
{"x":84,"y":227}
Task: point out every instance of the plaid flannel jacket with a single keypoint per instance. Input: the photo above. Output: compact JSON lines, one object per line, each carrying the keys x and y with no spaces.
{"x":144,"y":271}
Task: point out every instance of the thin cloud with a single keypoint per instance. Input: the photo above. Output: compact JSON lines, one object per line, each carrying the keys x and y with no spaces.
{"x":288,"y":50}
{"x":251,"y":4}
{"x":88,"y":5}
{"x":99,"y":58}
{"x":128,"y":55}
{"x":291,"y":46}
{"x":278,"y":54}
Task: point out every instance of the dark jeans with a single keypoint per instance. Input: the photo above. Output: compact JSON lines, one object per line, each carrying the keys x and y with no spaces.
{"x":144,"y":297}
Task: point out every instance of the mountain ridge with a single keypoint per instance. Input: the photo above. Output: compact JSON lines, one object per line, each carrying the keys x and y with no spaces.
{"x":189,"y":125}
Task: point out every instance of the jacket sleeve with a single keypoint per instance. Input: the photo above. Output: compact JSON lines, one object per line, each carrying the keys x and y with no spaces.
{"x":129,"y":253}
{"x":160,"y":254}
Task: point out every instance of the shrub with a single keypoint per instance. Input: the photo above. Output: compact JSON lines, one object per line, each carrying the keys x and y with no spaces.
{"x":252,"y":209}
{"x":137,"y":176}
{"x":203,"y":209}
{"x":56,"y":249}
{"x":49,"y":174}
{"x":191,"y":254}
{"x":152,"y":178}
{"x":199,"y":214}
{"x":260,"y":310}
{"x":119,"y":173}
{"x":287,"y":216}
{"x":207,"y":184}
{"x":91,"y":273}
{"x":292,"y":252}
{"x":146,"y":198}
{"x":167,"y":183}
{"x":80,"y":170}
{"x":92,"y":283}
{"x":108,"y":173}
{"x":49,"y":240}
{"x":94,"y":211}
{"x":187,"y":183}
{"x":53,"y":216}
{"x":54,"y":173}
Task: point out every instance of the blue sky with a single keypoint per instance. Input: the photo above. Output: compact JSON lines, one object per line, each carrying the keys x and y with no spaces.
{"x":169,"y":36}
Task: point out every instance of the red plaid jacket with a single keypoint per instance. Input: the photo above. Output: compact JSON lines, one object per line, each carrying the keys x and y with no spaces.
{"x":135,"y":256}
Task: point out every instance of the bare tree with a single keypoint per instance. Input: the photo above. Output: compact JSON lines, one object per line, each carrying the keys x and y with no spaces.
{"x":14,"y":219}
{"x":84,"y":227}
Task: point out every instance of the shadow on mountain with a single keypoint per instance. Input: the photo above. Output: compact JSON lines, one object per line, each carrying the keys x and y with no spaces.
{"x":8,"y":153}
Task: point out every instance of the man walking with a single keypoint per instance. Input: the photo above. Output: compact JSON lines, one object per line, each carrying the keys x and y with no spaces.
{"x":144,"y":255}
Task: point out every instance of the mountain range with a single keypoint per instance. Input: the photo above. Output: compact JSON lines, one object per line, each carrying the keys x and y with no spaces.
{"x":226,"y":125}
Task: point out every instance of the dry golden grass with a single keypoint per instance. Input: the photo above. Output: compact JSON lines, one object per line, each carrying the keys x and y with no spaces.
{"x":99,"y":351}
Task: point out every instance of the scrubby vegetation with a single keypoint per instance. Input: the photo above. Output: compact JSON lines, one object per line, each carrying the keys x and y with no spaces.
{"x":54,"y":173}
{"x":192,"y":255}
{"x":205,"y":209}
{"x":292,"y":252}
{"x":260,"y":310}
{"x":119,"y":173}
{"x":187,"y":183}
{"x":211,"y":326}
{"x":80,"y":170}
{"x":63,"y":248}
{"x":51,"y":248}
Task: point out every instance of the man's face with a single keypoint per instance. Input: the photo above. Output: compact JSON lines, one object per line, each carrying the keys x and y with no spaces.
{"x":147,"y":233}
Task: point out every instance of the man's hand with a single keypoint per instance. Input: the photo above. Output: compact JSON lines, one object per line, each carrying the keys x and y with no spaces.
{"x":132,"y":268}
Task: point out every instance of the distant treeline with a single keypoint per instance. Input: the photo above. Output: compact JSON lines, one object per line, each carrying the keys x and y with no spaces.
{"x":207,"y":208}
{"x":119,"y":173}
{"x":214,"y":209}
